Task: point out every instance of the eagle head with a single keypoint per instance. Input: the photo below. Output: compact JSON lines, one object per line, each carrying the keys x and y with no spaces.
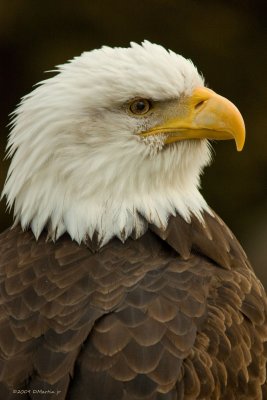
{"x":116,"y":140}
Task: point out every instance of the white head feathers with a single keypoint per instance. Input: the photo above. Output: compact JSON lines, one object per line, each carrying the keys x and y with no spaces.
{"x":77,"y":163}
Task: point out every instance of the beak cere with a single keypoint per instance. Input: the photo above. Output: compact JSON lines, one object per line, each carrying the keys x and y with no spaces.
{"x":207,"y":116}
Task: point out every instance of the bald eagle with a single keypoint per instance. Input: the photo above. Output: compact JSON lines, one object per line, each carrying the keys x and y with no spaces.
{"x":118,"y":281}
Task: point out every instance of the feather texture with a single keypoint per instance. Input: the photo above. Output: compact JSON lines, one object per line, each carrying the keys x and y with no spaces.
{"x":176,"y":314}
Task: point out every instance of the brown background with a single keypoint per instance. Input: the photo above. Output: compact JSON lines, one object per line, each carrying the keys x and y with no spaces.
{"x":227,"y":40}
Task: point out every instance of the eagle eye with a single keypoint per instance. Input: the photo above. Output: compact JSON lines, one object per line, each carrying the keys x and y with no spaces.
{"x":140,"y":106}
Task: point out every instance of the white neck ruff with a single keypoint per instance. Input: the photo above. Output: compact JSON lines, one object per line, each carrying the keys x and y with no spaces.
{"x":117,"y":197}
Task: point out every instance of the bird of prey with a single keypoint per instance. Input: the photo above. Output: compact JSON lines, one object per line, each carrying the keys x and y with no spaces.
{"x":117,"y":280}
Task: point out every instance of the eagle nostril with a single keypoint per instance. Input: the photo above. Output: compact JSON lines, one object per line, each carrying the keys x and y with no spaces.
{"x":199,"y":104}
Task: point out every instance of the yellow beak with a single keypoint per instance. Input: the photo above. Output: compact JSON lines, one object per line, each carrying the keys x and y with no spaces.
{"x":205,"y":115}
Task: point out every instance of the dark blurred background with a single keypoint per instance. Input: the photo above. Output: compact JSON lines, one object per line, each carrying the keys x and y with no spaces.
{"x":227,"y":40}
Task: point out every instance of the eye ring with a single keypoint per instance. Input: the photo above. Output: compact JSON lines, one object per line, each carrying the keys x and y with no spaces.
{"x":140,"y":106}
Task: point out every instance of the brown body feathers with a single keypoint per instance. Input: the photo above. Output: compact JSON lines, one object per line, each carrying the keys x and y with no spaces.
{"x":174,"y":315}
